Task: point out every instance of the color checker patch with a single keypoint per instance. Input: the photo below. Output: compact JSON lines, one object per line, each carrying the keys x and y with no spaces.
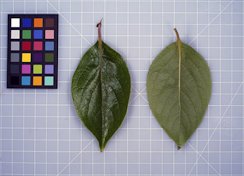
{"x":32,"y":51}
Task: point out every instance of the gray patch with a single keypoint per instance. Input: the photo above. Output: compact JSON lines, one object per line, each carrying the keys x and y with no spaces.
{"x":14,"y":68}
{"x":15,"y":46}
{"x":14,"y":57}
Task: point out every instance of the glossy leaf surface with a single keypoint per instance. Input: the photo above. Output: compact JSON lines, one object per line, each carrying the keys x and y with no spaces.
{"x":101,"y":90}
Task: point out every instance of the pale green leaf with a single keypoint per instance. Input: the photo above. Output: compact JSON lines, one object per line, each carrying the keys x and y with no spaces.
{"x":179,"y":90}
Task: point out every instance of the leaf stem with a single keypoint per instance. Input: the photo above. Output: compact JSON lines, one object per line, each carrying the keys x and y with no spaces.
{"x":177,"y":34}
{"x":99,"y":26}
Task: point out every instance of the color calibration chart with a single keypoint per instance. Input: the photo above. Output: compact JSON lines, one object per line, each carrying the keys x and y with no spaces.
{"x":32,"y":51}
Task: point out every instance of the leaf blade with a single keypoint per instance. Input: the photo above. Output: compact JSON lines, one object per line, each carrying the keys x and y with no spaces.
{"x":105,"y":79}
{"x":174,"y":81}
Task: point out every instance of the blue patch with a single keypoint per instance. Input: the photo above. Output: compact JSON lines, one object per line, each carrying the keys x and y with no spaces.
{"x":26,"y":22}
{"x":25,"y":81}
{"x":38,"y":34}
{"x":49,"y":46}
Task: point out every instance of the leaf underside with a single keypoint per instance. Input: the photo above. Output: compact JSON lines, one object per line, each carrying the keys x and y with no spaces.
{"x":100,"y":91}
{"x":179,"y":90}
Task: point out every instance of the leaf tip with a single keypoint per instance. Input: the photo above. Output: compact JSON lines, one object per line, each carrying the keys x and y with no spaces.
{"x":102,"y":148}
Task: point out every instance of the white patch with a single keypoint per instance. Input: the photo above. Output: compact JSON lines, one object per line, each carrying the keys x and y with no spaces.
{"x":15,"y":34}
{"x":15,"y":22}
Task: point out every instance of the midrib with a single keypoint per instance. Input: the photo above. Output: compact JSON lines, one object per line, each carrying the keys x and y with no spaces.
{"x":179,"y":45}
{"x":100,"y":55}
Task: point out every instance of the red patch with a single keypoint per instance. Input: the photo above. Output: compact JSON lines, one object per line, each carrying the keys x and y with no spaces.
{"x":26,"y":46}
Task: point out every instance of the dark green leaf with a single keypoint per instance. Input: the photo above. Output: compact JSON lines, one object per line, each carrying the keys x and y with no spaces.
{"x":179,"y":90}
{"x":101,"y":90}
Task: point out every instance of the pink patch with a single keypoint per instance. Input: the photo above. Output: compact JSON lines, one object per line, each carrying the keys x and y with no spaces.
{"x":49,"y":34}
{"x":37,"y":46}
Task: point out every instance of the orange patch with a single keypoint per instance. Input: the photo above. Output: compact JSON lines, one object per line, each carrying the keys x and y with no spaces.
{"x":38,"y":22}
{"x":37,"y":81}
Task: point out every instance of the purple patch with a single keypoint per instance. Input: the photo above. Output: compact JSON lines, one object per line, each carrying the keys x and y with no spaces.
{"x":26,"y":69}
{"x":49,"y":69}
{"x":37,"y":57}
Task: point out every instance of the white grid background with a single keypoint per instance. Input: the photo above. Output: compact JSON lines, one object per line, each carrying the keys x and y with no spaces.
{"x":41,"y":133}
